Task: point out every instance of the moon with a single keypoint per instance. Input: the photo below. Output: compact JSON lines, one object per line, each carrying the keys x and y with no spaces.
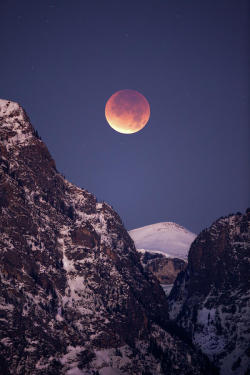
{"x":127,"y":111}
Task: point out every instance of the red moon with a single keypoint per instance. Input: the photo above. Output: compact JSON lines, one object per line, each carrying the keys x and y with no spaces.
{"x":127,"y":111}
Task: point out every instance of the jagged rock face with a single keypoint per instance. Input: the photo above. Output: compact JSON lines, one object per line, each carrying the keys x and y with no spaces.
{"x":211,"y":298}
{"x":74,"y":298}
{"x":165,"y":269}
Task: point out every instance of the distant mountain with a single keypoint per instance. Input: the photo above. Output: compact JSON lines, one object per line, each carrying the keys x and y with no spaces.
{"x":163,"y":249}
{"x":168,"y":238}
{"x":163,"y":268}
{"x":211,"y":298}
{"x":74,"y":297}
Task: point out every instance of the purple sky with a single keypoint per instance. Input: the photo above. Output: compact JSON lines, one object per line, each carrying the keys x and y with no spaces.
{"x":62,"y":60}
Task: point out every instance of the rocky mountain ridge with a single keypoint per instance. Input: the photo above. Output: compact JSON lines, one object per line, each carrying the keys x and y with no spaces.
{"x":211,"y":298}
{"x":165,"y":269}
{"x":74,"y":298}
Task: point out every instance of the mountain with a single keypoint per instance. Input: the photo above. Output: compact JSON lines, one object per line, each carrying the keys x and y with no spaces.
{"x":211,"y":298}
{"x":168,"y":238}
{"x":74,"y":297}
{"x":163,"y":249}
{"x":163,"y":268}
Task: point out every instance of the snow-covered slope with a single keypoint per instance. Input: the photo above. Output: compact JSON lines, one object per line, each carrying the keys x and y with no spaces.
{"x":168,"y":238}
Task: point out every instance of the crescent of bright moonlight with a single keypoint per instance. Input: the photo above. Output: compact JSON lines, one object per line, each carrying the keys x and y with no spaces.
{"x":127,"y":111}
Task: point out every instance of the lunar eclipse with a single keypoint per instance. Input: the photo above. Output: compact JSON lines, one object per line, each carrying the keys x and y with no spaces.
{"x":127,"y":111}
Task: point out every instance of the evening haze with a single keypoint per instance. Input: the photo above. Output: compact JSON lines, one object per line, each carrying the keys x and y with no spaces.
{"x":62,"y":61}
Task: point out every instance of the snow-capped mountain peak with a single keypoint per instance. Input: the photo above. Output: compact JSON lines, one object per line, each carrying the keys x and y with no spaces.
{"x":169,"y":238}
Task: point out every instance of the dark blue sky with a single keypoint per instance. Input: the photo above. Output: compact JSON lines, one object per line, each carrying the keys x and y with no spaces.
{"x":62,"y":60}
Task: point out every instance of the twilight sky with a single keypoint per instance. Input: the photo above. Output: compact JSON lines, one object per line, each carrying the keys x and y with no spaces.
{"x":62,"y":60}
